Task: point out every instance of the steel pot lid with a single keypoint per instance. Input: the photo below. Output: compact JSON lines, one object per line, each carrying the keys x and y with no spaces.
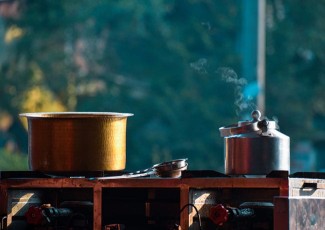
{"x":255,"y":125}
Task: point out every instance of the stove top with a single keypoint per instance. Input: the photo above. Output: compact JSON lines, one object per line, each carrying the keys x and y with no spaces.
{"x":185,"y":174}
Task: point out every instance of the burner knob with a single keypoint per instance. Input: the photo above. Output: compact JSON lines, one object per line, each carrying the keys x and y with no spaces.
{"x":218,"y":214}
{"x":34,"y":215}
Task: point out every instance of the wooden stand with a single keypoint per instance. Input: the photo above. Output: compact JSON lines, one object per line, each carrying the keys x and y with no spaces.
{"x":140,"y":198}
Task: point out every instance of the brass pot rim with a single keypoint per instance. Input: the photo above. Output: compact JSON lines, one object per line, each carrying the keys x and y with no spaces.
{"x":74,"y":114}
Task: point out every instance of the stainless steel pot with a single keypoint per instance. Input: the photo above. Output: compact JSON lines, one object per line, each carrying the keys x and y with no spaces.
{"x":255,"y":147}
{"x":77,"y":141}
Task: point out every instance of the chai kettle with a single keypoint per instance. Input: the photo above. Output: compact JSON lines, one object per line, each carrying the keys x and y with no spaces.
{"x":255,"y":147}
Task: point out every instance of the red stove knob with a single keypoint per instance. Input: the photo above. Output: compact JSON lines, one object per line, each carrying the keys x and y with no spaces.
{"x":34,"y":215}
{"x":218,"y":214}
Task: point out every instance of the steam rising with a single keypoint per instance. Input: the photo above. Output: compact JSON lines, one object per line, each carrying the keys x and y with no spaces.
{"x":200,"y":65}
{"x":244,"y":92}
{"x":230,"y":76}
{"x":243,"y":100}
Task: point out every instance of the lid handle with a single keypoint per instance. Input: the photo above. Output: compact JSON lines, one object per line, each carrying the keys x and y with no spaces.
{"x":263,"y":125}
{"x":256,"y":115}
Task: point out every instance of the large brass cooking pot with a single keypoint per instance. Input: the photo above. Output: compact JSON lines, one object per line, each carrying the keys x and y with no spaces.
{"x":77,"y":141}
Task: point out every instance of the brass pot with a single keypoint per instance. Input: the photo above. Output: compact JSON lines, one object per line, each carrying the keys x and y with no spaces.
{"x":77,"y":141}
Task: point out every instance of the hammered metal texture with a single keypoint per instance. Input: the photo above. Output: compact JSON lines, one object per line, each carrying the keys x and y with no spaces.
{"x":82,"y":143}
{"x":306,"y":213}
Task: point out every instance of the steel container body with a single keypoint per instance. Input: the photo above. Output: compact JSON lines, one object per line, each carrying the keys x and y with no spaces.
{"x":77,"y":141}
{"x":255,"y":154}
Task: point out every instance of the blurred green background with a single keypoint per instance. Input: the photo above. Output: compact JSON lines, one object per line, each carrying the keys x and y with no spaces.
{"x":165,"y":61}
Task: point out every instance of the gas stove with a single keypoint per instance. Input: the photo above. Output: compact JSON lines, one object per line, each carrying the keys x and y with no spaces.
{"x":198,"y":199}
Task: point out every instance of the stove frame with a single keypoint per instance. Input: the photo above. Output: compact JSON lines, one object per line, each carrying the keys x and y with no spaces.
{"x":155,"y":190}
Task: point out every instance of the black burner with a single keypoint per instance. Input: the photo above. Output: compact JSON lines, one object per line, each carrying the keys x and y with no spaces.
{"x":312,"y":175}
{"x":202,"y":174}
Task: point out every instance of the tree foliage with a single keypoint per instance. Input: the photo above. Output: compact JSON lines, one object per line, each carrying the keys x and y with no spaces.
{"x":159,"y":60}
